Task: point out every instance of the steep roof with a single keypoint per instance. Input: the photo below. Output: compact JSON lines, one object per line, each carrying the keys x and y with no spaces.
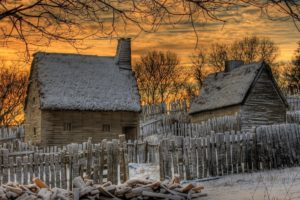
{"x":82,"y":82}
{"x":224,"y":89}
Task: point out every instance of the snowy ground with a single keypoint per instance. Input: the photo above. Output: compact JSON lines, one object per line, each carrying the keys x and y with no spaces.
{"x":281,"y":184}
{"x":144,"y":170}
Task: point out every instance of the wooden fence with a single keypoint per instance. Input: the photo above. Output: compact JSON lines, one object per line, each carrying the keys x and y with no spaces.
{"x":164,"y":129}
{"x":293,"y":116}
{"x":191,"y":157}
{"x":142,"y":152}
{"x":293,"y":101}
{"x":8,"y":134}
{"x":59,"y":165}
{"x":220,"y":154}
{"x":156,"y":110}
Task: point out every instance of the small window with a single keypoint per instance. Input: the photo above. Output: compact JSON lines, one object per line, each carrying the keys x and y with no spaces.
{"x":67,"y":126}
{"x":34,"y":132}
{"x":106,"y":127}
{"x":33,"y":100}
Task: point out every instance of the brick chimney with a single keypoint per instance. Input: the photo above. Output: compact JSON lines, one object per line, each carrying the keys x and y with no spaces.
{"x":123,"y":55}
{"x":232,"y":64}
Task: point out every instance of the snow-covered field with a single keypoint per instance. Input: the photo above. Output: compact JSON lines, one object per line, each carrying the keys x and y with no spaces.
{"x":283,"y":184}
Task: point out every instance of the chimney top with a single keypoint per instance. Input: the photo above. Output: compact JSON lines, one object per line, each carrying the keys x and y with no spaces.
{"x":232,"y":64}
{"x":123,"y":54}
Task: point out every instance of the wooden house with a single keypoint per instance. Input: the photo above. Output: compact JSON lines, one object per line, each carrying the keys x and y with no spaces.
{"x":249,"y":91}
{"x":72,"y":97}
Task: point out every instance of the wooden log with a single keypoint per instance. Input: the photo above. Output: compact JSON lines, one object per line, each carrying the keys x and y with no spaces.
{"x":135,"y":192}
{"x":38,"y":182}
{"x":45,"y":194}
{"x":78,"y":182}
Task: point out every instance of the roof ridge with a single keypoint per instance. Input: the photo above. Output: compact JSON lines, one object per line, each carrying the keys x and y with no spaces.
{"x":71,"y":54}
{"x":224,"y":89}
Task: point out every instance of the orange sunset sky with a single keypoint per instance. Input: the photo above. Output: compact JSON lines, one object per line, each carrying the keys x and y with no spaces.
{"x":181,"y":39}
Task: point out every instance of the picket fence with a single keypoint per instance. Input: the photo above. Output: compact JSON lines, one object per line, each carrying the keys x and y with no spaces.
{"x":143,"y":152}
{"x":11,"y":133}
{"x":156,"y":111}
{"x":219,"y":154}
{"x":293,"y":101}
{"x":190,"y":156}
{"x":58,"y":166}
{"x":164,"y":129}
{"x":293,"y":116}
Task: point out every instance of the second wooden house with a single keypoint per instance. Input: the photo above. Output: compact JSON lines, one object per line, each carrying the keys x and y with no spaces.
{"x":249,"y":91}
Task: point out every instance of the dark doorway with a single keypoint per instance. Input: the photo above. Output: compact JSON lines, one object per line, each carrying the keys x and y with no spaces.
{"x":130,"y":132}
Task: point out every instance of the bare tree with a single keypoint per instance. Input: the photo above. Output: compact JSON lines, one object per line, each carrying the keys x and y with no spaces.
{"x":38,"y":22}
{"x":13,"y":85}
{"x":292,"y":73}
{"x":198,"y":67}
{"x":253,"y":48}
{"x":156,"y":73}
{"x":248,"y":49}
{"x":217,"y":56}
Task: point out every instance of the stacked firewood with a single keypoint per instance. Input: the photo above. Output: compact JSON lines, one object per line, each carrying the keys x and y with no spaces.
{"x":138,"y":189}
{"x":38,"y":190}
{"x":84,"y":189}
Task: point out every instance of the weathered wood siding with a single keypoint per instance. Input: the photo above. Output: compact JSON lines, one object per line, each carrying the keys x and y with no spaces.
{"x":204,"y":116}
{"x":85,"y":124}
{"x":33,"y":112}
{"x":263,"y":105}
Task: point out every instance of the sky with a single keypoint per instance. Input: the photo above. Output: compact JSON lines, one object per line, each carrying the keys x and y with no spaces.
{"x":182,"y":39}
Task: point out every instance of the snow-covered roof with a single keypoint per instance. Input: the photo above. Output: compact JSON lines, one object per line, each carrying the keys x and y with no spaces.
{"x":83,"y":82}
{"x":225,"y":88}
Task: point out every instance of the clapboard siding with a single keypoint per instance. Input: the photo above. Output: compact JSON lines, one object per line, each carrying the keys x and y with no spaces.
{"x":84,"y":124}
{"x":204,"y":116}
{"x":263,"y":105}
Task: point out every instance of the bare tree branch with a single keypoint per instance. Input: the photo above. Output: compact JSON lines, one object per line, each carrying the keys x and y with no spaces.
{"x":39,"y":22}
{"x":13,"y":85}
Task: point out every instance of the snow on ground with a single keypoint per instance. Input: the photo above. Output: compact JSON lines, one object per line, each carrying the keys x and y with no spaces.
{"x":283,"y":184}
{"x":144,"y":170}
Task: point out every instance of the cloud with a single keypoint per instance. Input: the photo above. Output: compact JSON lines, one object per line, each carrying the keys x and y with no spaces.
{"x":182,"y":39}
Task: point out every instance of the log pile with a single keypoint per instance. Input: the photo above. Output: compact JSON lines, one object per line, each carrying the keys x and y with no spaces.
{"x":136,"y":189}
{"x":84,"y":189}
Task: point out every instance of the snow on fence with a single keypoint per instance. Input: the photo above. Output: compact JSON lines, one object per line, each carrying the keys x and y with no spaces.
{"x":293,"y":116}
{"x":156,"y":111}
{"x":59,"y":165}
{"x":11,"y":133}
{"x":142,"y":152}
{"x":217,"y":124}
{"x":272,"y":146}
{"x":293,"y":101}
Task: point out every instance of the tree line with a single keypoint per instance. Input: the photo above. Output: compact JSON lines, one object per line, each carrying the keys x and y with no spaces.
{"x":161,"y":77}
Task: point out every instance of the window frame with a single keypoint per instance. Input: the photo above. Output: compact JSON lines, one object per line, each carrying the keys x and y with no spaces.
{"x":67,"y":126}
{"x":106,"y":127}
